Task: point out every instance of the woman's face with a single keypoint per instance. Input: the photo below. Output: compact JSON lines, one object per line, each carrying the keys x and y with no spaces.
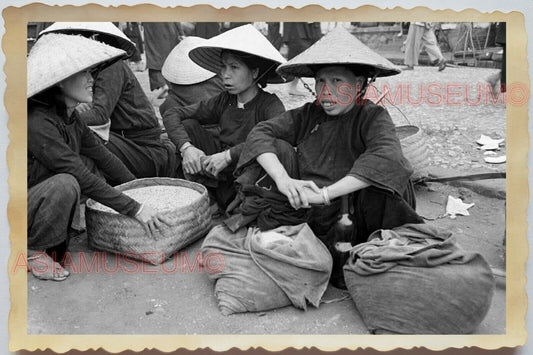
{"x":78,"y":88}
{"x":337,"y":88}
{"x":236,"y":75}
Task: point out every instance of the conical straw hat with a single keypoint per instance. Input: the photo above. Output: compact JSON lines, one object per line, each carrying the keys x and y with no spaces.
{"x":55,"y":57}
{"x":246,"y":39}
{"x":180,"y":69}
{"x":338,"y":47}
{"x":107,"y":31}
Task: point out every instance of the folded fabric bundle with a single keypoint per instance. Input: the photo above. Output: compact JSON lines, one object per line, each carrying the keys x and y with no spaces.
{"x":263,"y":271}
{"x":416,"y":279}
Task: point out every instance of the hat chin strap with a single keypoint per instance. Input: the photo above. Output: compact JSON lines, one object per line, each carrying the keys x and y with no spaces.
{"x":367,"y":83}
{"x":264,"y":73}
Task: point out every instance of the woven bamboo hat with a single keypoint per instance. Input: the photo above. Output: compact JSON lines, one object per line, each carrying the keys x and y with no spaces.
{"x":246,"y":39}
{"x":107,"y":32}
{"x":338,"y":47}
{"x":178,"y":68}
{"x":55,"y":57}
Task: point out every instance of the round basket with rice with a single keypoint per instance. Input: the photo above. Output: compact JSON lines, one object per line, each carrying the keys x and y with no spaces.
{"x":184,"y":203}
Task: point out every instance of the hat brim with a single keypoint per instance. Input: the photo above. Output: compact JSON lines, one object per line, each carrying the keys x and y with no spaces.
{"x":179,"y":69}
{"x":56,"y":57}
{"x":107,"y":33}
{"x":309,"y":70}
{"x":339,"y":47}
{"x":244,"y":39}
{"x":210,"y":58}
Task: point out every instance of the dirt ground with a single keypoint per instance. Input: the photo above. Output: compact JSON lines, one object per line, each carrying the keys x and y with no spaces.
{"x":125,"y":297}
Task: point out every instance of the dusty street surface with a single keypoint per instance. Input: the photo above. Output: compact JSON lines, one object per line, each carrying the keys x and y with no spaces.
{"x":106,"y":294}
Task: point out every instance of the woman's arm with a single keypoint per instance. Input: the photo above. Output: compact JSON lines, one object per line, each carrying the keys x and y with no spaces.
{"x":344,"y":186}
{"x":108,"y":88}
{"x":294,"y":189}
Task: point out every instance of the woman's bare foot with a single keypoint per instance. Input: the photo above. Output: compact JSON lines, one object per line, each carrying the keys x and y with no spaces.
{"x":43,"y":267}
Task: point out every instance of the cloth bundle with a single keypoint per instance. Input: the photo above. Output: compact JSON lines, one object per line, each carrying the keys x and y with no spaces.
{"x":268,"y":270}
{"x":415,"y":279}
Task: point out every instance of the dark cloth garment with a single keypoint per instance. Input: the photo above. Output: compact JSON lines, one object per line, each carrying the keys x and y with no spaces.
{"x":233,"y":25}
{"x":133,"y":32}
{"x":259,"y":203}
{"x":220,"y":187}
{"x":159,"y":40}
{"x":416,"y":245}
{"x":207,"y":29}
{"x":183,"y":125}
{"x":143,"y":157}
{"x":55,"y":143}
{"x":51,"y":206}
{"x":274,"y":34}
{"x":361,"y":143}
{"x":186,"y":95}
{"x":135,"y":135}
{"x":374,"y":208}
{"x":156,"y":79}
{"x":235,"y":123}
{"x":300,"y":35}
{"x":416,"y":279}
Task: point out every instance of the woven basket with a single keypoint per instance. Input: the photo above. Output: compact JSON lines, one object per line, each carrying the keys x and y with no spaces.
{"x":125,"y":235}
{"x":414,"y":147}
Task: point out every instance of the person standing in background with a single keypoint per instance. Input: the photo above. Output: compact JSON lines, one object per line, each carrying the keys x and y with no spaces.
{"x":299,"y":36}
{"x":132,"y":30}
{"x":207,"y":30}
{"x":422,"y":34}
{"x":159,"y":39}
{"x":499,"y":76}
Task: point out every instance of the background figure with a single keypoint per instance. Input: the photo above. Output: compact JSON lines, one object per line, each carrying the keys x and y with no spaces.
{"x":274,"y":34}
{"x":299,"y":36}
{"x":207,"y":29}
{"x":500,"y":76}
{"x":133,"y":31}
{"x":422,"y":33}
{"x":159,"y":39}
{"x":189,"y":82}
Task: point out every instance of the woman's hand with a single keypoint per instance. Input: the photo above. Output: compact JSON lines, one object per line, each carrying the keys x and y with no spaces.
{"x":84,"y":107}
{"x":215,"y":163}
{"x":152,"y":219}
{"x":192,"y":163}
{"x":299,"y":192}
{"x":314,"y":197}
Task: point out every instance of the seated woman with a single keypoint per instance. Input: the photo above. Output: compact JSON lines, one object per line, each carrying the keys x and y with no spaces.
{"x":246,"y":61}
{"x":189,"y":82}
{"x":338,"y":145}
{"x":120,"y":103}
{"x":59,"y":77}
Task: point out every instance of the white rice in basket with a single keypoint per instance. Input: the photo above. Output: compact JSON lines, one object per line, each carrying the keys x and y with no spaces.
{"x":160,"y":198}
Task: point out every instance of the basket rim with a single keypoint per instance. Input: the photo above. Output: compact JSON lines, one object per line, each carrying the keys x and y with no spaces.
{"x":152,"y":181}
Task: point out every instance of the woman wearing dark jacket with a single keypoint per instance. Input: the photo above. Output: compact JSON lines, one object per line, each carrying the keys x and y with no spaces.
{"x":246,"y":61}
{"x":120,"y":112}
{"x":60,"y":71}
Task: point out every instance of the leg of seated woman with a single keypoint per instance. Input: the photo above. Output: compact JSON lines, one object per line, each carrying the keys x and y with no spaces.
{"x":142,"y":161}
{"x":51,"y":206}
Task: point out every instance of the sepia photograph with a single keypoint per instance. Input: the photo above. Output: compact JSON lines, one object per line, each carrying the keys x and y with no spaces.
{"x":344,"y":181}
